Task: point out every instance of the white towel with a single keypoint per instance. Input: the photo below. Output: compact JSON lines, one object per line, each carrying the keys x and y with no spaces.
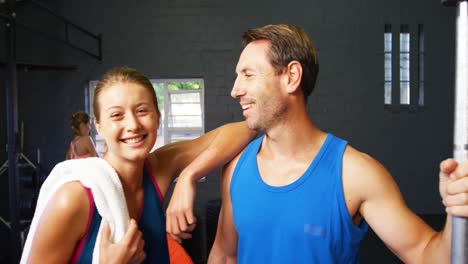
{"x":101,"y":178}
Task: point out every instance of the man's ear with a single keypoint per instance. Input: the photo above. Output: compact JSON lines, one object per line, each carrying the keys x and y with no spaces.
{"x":294,"y":76}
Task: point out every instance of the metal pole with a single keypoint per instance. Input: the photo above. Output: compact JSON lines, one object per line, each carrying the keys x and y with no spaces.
{"x":459,"y":254}
{"x":12,"y":130}
{"x":460,"y":153}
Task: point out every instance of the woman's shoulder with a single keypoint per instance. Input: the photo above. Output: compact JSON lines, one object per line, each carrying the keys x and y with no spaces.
{"x":82,"y":139}
{"x":72,"y":198}
{"x":65,"y":217}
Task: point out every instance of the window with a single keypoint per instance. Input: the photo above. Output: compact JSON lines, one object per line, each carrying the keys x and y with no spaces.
{"x":388,"y":64}
{"x":404,"y":65}
{"x":182,"y":110}
{"x":408,"y":78}
{"x":181,"y":105}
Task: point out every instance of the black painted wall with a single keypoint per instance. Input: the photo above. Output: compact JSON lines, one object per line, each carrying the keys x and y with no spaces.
{"x":201,"y":38}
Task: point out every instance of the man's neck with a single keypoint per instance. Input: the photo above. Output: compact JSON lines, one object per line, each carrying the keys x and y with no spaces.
{"x":295,"y":135}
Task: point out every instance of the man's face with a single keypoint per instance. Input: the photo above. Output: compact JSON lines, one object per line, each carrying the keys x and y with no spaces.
{"x":258,"y":87}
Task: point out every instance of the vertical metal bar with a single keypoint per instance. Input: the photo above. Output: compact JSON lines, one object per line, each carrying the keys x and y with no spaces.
{"x":460,"y":150}
{"x":12,"y":131}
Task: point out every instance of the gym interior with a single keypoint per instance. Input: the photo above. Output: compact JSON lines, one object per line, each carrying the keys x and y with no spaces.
{"x":386,"y":84}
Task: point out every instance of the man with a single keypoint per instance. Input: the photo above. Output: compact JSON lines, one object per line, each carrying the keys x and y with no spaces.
{"x":300,"y":195}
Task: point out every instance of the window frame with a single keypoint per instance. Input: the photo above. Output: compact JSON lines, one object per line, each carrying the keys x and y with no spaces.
{"x":404,"y":62}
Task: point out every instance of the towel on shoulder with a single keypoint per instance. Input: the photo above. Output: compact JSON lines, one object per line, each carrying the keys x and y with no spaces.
{"x":102,"y":179}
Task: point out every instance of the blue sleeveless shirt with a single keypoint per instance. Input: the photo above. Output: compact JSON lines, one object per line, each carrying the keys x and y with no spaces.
{"x":151,"y":222}
{"x":306,"y":221}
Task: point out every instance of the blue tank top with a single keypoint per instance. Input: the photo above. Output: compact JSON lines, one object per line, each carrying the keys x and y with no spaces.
{"x":306,"y":221}
{"x":151,"y":223}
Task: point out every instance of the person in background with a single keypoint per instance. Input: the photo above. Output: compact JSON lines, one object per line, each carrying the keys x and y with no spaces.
{"x":82,"y":146}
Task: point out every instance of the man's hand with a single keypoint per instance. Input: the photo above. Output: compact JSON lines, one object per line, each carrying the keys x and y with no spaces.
{"x":453,"y":187}
{"x":180,"y":220}
{"x":128,"y":250}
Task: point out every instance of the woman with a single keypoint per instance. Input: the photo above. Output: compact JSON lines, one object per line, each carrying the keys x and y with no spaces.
{"x":82,"y":145}
{"x":127,"y":117}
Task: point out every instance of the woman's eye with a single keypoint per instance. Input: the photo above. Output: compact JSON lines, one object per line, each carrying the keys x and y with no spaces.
{"x":114,"y":115}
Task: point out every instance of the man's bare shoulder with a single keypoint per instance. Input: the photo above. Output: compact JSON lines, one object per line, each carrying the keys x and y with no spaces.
{"x":229,"y":168}
{"x":363,"y":174}
{"x":357,"y":162}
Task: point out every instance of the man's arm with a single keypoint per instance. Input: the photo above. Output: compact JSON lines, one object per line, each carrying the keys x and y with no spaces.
{"x":193,"y":159}
{"x":190,"y":161}
{"x":224,"y":248}
{"x":453,"y":187}
{"x":369,"y":185}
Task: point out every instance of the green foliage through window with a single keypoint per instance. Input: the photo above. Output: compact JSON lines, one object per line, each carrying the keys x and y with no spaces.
{"x":174,"y":86}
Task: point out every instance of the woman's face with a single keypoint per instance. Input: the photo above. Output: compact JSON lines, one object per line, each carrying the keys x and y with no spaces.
{"x":128,"y":121}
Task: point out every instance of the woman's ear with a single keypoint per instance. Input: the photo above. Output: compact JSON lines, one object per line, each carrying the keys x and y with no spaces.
{"x":294,"y":74}
{"x":97,"y":126}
